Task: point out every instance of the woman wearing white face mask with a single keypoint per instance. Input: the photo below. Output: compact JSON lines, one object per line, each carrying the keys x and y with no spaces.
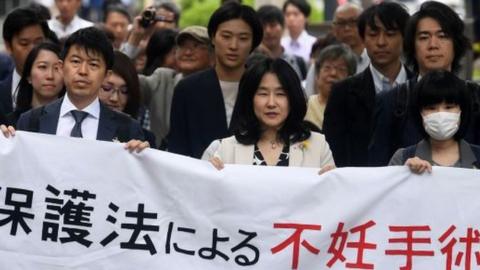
{"x":443,"y":105}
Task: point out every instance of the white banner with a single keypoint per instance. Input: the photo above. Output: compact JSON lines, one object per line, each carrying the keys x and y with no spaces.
{"x":78,"y":204}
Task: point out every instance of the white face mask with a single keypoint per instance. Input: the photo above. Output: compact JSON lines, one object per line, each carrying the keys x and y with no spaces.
{"x":441,"y":125}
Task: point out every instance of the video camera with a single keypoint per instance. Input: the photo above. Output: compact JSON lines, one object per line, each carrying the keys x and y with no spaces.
{"x":150,"y":16}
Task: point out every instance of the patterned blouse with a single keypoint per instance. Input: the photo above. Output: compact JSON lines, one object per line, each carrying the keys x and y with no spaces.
{"x":282,"y":159}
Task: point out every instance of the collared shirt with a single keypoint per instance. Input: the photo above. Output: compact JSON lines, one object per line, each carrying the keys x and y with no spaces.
{"x":89,"y":124}
{"x":362,"y":61}
{"x":302,"y":46}
{"x":65,"y":30}
{"x":15,"y":80}
{"x":381,"y":82}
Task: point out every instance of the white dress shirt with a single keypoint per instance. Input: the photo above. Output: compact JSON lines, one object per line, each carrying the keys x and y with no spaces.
{"x":89,"y":124}
{"x":362,"y":61}
{"x":381,"y":82}
{"x":65,"y":30}
{"x":15,"y":80}
{"x":302,"y":46}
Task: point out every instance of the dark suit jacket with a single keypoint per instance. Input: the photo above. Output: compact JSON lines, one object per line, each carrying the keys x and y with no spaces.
{"x":6,"y":94}
{"x":111,"y":125}
{"x":6,"y":66}
{"x":397,"y":127}
{"x":349,"y":119}
{"x":198,"y":114}
{"x":3,"y":117}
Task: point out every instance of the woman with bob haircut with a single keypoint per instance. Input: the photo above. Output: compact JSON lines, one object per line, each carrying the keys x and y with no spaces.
{"x":270,"y":130}
{"x":443,"y":111}
{"x":120,"y":91}
{"x":41,"y":82}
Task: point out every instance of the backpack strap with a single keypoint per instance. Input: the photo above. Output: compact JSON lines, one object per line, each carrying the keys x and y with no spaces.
{"x":303,"y":67}
{"x":476,"y":153}
{"x":402,"y":101}
{"x":408,"y":152}
{"x":400,"y":112}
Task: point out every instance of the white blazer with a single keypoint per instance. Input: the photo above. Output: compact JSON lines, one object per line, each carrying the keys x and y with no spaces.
{"x":313,"y":152}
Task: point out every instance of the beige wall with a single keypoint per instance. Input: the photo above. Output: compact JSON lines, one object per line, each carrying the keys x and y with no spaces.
{"x":259,"y":3}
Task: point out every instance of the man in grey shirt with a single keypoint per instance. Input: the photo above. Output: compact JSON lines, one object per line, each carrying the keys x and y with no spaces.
{"x":193,"y":53}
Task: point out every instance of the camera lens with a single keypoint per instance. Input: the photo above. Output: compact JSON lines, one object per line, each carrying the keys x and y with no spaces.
{"x":148,"y":17}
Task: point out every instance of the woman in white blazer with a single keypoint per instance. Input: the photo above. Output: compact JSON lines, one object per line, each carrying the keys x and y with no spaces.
{"x":269,"y":128}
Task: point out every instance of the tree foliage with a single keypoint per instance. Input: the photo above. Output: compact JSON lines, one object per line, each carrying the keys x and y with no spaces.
{"x":198,"y":12}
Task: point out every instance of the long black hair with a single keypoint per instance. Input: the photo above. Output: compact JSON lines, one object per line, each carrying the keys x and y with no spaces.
{"x":247,"y":127}
{"x":159,"y":46}
{"x":124,"y":67}
{"x":25,"y":88}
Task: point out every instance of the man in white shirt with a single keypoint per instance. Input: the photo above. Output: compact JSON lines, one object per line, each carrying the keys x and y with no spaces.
{"x":67,"y":21}
{"x":273,"y":27}
{"x":298,"y":41}
{"x":87,"y":59}
{"x":345,"y":30}
{"x":349,"y":115}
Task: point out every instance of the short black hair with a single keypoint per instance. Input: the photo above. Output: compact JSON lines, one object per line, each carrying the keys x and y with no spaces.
{"x":247,"y":128}
{"x":321,"y":43}
{"x":232,"y":10}
{"x":19,"y":19}
{"x":302,"y":5}
{"x":41,"y":10}
{"x":124,"y":67}
{"x":450,"y":23}
{"x":25,"y":88}
{"x":270,"y":14}
{"x":439,"y":86}
{"x":228,"y":1}
{"x":93,"y":40}
{"x":161,"y":43}
{"x":118,"y":8}
{"x":392,"y":15}
{"x":170,"y":6}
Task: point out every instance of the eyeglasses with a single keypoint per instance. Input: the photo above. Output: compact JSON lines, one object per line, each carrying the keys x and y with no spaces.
{"x":345,"y":23}
{"x":108,"y":88}
{"x":330,"y":68}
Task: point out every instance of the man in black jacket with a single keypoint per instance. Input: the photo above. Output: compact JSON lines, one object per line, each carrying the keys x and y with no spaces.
{"x":87,"y":59}
{"x":348,"y":121}
{"x":202,"y":105}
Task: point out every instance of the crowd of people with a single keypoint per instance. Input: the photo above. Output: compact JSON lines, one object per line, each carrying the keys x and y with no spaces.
{"x":253,"y":87}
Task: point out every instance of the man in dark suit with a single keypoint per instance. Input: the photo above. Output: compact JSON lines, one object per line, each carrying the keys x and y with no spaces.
{"x":87,"y":59}
{"x":23,"y":28}
{"x":202,"y":104}
{"x":348,"y":121}
{"x":434,"y":40}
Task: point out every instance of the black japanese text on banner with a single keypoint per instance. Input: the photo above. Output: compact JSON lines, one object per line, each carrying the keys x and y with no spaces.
{"x":76,"y":204}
